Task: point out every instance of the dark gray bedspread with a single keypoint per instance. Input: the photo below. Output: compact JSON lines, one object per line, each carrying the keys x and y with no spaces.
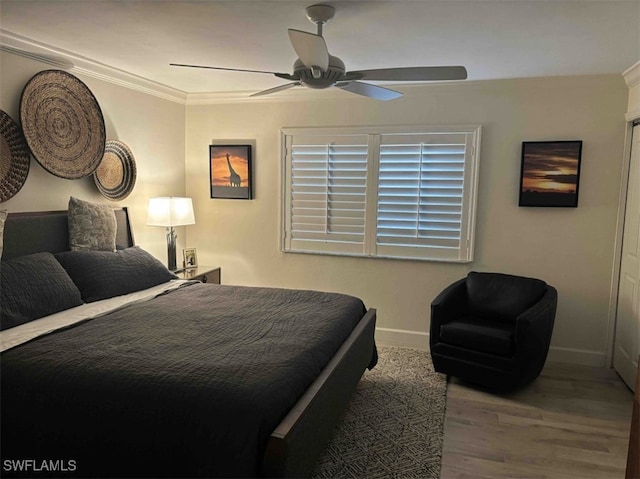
{"x":191,"y":383}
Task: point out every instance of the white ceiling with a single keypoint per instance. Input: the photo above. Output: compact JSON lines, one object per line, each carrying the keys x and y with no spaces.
{"x":493,"y":39}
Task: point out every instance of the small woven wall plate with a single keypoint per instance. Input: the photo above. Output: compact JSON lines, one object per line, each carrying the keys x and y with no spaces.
{"x":14,"y":157}
{"x":116,"y":173}
{"x":63,"y":124}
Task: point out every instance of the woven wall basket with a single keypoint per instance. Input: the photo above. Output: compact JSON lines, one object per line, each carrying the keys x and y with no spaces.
{"x":116,"y":174}
{"x":63,"y":124}
{"x":14,"y":157}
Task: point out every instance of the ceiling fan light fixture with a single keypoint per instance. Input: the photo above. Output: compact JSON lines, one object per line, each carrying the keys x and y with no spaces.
{"x":316,"y":72}
{"x":307,"y":76}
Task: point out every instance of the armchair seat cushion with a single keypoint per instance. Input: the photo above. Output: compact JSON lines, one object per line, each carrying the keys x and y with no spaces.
{"x":494,"y":337}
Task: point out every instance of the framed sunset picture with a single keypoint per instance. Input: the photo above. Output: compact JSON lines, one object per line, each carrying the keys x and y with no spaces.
{"x":230,"y":171}
{"x":550,"y":173}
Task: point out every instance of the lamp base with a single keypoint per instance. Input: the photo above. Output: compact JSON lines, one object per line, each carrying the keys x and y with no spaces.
{"x":171,"y":249}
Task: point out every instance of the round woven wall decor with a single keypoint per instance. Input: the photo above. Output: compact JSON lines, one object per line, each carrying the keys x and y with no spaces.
{"x":116,"y":173}
{"x":63,"y":124}
{"x":14,"y":157}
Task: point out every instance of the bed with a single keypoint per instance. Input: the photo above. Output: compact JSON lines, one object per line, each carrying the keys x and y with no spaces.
{"x":184,"y":380}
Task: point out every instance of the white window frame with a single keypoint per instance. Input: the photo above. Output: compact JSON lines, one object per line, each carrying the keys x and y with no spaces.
{"x":370,"y":247}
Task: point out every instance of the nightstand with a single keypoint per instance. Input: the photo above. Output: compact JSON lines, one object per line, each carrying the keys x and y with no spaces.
{"x":206,"y":274}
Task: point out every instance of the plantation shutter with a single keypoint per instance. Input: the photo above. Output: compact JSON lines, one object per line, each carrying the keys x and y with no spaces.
{"x":393,"y":192}
{"x":327,"y":193}
{"x":421,"y":207}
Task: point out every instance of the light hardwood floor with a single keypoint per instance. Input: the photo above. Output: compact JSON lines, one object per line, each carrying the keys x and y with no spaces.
{"x":572,"y":422}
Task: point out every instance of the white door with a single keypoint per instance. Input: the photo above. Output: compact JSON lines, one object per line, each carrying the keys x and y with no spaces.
{"x":627,"y":340}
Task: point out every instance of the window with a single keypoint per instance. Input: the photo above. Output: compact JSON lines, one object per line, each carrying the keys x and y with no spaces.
{"x":381,"y":191}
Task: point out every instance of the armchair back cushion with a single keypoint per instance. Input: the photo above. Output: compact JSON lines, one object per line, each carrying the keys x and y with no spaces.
{"x":502,"y":297}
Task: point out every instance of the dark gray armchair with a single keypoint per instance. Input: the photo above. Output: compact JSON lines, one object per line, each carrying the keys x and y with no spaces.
{"x":493,"y":329}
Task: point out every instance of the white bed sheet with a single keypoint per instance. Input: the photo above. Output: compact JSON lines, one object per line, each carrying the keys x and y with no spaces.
{"x":12,"y":337}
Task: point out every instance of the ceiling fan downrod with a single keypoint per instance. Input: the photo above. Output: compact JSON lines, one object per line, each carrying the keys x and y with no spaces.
{"x":319,"y":15}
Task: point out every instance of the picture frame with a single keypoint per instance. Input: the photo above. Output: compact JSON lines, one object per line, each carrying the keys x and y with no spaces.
{"x":230,"y":171}
{"x":550,"y":173}
{"x":190,"y":258}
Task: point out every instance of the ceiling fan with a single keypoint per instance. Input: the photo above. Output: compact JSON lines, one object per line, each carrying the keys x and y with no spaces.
{"x":316,"y":68}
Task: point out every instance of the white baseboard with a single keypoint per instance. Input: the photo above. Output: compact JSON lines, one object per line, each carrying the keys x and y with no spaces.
{"x":578,"y":356}
{"x":420,"y":340}
{"x":401,"y":337}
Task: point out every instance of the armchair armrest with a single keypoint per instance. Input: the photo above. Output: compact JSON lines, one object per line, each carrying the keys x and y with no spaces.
{"x":535,"y":325}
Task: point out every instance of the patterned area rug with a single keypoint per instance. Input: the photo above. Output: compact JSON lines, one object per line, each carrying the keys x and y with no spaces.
{"x":394,"y":425}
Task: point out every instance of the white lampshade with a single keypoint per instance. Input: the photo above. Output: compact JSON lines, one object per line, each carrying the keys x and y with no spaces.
{"x":170,"y":211}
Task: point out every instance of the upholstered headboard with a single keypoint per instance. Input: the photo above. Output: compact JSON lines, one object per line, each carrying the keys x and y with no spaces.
{"x":33,"y":232}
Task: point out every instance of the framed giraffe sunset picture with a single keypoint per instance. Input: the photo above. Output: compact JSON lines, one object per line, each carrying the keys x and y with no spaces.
{"x":230,"y":171}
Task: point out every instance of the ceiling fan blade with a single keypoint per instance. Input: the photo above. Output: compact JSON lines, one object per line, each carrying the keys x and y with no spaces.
{"x":371,"y":91}
{"x":286,"y":86}
{"x":310,"y":48}
{"x":227,"y":69}
{"x":413,"y":74}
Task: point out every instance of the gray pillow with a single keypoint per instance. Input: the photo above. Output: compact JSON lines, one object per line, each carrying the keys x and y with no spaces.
{"x":105,"y":274}
{"x":91,"y":226}
{"x":33,"y":286}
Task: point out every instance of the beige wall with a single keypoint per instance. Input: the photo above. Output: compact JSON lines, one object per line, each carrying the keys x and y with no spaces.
{"x":153,"y":128}
{"x":571,"y":249}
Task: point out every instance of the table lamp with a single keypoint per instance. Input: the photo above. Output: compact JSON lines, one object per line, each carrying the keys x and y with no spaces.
{"x":170,"y":211}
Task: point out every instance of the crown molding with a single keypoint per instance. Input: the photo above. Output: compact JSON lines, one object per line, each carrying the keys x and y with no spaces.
{"x":632,"y":75}
{"x":632,"y":79}
{"x":22,"y":46}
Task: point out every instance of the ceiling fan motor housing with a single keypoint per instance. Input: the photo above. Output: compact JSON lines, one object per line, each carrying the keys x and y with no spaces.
{"x":334,"y":73}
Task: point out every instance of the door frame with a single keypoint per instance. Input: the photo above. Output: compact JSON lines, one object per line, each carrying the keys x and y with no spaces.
{"x":617,"y":254}
{"x":632,"y":79}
